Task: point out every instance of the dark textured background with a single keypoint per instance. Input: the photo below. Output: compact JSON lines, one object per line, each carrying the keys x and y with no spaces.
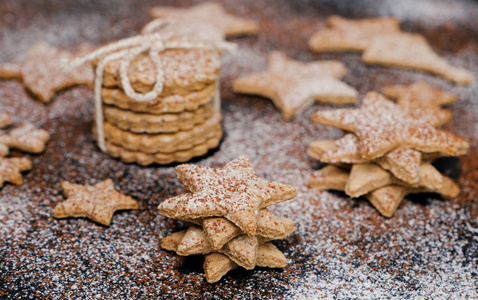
{"x":341,"y":248}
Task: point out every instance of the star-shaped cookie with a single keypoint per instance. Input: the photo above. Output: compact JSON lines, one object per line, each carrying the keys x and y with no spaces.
{"x":97,"y":202}
{"x":383,"y":126}
{"x":5,"y":119}
{"x":355,"y":35}
{"x":387,"y":199}
{"x":365,"y":178}
{"x":412,"y":51}
{"x":11,"y":168}
{"x":219,"y":231}
{"x":388,"y":194}
{"x":25,"y":138}
{"x":242,"y":251}
{"x":233,"y":191}
{"x":402,"y":162}
{"x":293,"y":85}
{"x":207,"y":17}
{"x":42,"y":74}
{"x":426,"y":98}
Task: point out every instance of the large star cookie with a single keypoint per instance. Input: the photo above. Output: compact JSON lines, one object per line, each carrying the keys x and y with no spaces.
{"x":412,"y":51}
{"x":205,"y":21}
{"x":11,"y":168}
{"x":42,"y":72}
{"x":294,"y":85}
{"x":233,"y":191}
{"x":382,"y":126}
{"x":343,"y":34}
{"x":426,"y":98}
{"x":97,"y":202}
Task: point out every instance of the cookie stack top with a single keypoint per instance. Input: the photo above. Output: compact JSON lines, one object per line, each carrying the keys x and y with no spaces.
{"x":232,"y":225}
{"x":386,"y":153}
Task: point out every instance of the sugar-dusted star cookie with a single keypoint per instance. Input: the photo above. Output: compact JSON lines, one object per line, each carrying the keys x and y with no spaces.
{"x":419,"y":95}
{"x":219,"y":231}
{"x":364,"y":178}
{"x":401,"y":162}
{"x":11,"y":168}
{"x":329,"y":178}
{"x":42,"y":74}
{"x":355,"y":35}
{"x":293,"y":85}
{"x":383,"y":192}
{"x":387,"y":199}
{"x":426,"y":98}
{"x":206,"y":17}
{"x":412,"y":51}
{"x":217,"y":265}
{"x":97,"y":202}
{"x":26,"y":138}
{"x":382,"y":126}
{"x":243,"y":250}
{"x":5,"y":119}
{"x":233,"y":191}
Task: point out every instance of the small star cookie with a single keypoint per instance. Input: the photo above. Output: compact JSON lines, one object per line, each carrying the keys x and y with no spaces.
{"x":401,"y":162}
{"x":426,"y":98}
{"x":217,"y":265}
{"x":11,"y":168}
{"x":219,"y":231}
{"x":293,"y":85}
{"x":42,"y":74}
{"x":25,"y":138}
{"x":412,"y":51}
{"x":97,"y":202}
{"x":233,"y":191}
{"x":208,"y":17}
{"x":382,"y":126}
{"x":387,"y":199}
{"x":355,"y":35}
{"x":5,"y":119}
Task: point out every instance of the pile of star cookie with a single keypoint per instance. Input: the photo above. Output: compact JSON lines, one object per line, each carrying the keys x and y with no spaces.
{"x":388,"y":148}
{"x":182,"y":122}
{"x":230,"y":222}
{"x":25,"y":138}
{"x":383,"y":43}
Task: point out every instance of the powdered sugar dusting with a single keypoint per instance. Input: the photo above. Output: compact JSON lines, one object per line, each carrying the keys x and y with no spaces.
{"x":342,"y":248}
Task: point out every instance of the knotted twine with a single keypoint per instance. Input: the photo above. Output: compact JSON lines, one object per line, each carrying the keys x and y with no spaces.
{"x":127,"y":50}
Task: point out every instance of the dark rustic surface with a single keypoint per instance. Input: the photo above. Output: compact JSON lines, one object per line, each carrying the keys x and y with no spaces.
{"x":341,"y":248}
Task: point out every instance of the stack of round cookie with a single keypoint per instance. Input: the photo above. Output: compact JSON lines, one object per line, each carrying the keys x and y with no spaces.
{"x":386,"y":153}
{"x":182,"y":122}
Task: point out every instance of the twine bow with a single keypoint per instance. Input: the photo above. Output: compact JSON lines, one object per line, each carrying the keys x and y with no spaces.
{"x":127,"y":50}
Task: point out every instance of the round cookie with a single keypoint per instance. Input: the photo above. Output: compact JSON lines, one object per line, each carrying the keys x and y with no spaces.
{"x":184,"y":71}
{"x":163,"y":158}
{"x":164,"y":143}
{"x":164,"y":123}
{"x":170,"y":104}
